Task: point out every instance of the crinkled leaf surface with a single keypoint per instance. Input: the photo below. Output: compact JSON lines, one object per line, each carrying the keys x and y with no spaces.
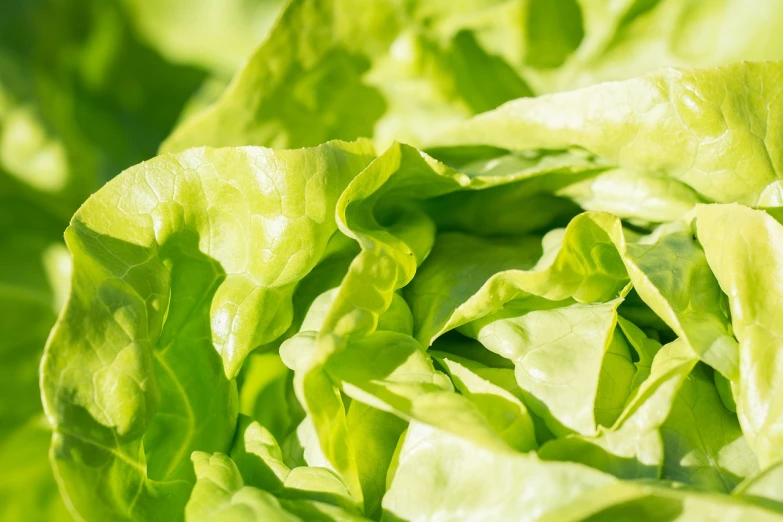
{"x":166,"y":302}
{"x":708,"y":129}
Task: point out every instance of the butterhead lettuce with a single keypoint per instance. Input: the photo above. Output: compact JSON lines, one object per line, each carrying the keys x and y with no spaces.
{"x":418,"y":261}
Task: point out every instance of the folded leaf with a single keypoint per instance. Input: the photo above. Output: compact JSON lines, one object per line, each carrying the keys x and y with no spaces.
{"x":744,"y":248}
{"x":632,"y":447}
{"x":507,"y":415}
{"x":564,"y":359}
{"x":694,"y":126}
{"x":591,"y":261}
{"x":717,"y":458}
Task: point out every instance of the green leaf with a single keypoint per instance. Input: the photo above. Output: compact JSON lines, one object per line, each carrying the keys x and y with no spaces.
{"x":260,"y":463}
{"x":264,"y":393}
{"x":202,"y":33}
{"x":638,"y":501}
{"x":694,"y":126}
{"x":258,"y":457}
{"x":374,"y":434}
{"x":319,"y":484}
{"x":763,"y":487}
{"x":163,"y":285}
{"x":703,"y":442}
{"x":255,"y":485}
{"x":565,"y":358}
{"x":645,"y":349}
{"x":744,"y":248}
{"x":459,"y":266}
{"x":507,"y":415}
{"x":638,"y":198}
{"x":302,"y":86}
{"x":447,"y":476}
{"x":220,"y":494}
{"x":632,"y":447}
{"x":670,"y":273}
{"x":429,"y":83}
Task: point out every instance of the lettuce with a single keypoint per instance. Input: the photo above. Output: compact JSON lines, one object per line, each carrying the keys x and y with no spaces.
{"x":417,"y":260}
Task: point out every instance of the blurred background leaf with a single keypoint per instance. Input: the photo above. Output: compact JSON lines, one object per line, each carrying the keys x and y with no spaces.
{"x":85,"y":92}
